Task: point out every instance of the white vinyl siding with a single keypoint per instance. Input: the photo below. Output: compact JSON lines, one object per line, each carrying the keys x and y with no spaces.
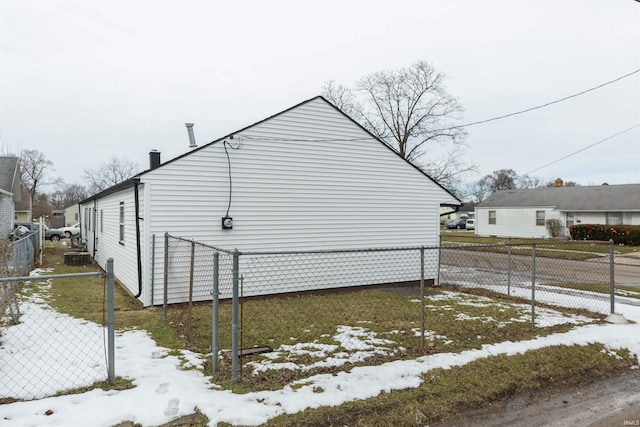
{"x":306,"y":179}
{"x":614,"y":218}
{"x":326,"y":192}
{"x":7,"y":206}
{"x":106,"y":244}
{"x":514,"y":222}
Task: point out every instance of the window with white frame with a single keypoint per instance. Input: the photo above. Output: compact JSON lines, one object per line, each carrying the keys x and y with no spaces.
{"x":122,"y":223}
{"x":101,"y":220}
{"x":492,"y":217}
{"x":539,"y":217}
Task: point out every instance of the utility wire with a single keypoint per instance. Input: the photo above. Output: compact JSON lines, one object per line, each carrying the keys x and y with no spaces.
{"x":459,"y":126}
{"x":547,"y":104}
{"x":585,"y":148}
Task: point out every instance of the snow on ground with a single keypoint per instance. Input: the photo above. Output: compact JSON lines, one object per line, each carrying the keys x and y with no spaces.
{"x":164,"y":391}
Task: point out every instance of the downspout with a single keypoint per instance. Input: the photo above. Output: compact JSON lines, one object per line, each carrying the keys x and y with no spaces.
{"x":138,"y":251}
{"x":80,"y":221}
{"x":92,"y":224}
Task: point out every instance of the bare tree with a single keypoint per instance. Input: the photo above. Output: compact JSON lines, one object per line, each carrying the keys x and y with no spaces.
{"x":409,"y":109}
{"x":110,"y":173}
{"x":67,"y":195}
{"x":33,"y":168}
{"x":342,"y":97}
{"x":475,"y":191}
{"x":503,"y":179}
{"x":528,"y":181}
{"x":448,"y":171}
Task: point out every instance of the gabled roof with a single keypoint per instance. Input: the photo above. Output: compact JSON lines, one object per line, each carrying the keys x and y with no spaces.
{"x":136,"y":179}
{"x":600,"y":198}
{"x":9,"y":174}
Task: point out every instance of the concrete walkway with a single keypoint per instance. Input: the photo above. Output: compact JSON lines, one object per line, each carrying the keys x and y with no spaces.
{"x":632,"y":258}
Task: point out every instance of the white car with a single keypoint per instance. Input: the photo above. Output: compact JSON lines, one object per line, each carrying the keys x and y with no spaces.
{"x":71,"y":230}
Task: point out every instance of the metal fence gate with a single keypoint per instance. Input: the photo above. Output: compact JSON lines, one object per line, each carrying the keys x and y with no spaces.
{"x":34,"y":338}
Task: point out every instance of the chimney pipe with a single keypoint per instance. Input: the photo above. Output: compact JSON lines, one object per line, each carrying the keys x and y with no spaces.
{"x":154,"y":159}
{"x":192,"y":138}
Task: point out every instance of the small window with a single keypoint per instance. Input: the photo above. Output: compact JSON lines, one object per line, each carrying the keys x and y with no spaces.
{"x":101,"y":220}
{"x":122,"y":223}
{"x":75,"y":217}
{"x":492,"y":217}
{"x":540,"y":218}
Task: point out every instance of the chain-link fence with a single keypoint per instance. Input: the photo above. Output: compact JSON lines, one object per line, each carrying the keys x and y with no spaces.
{"x":44,"y":352}
{"x":16,"y":259}
{"x":563,"y":273}
{"x":319,"y":311}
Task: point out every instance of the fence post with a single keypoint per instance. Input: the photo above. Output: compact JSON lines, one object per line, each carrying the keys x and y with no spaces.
{"x":611,"y":277}
{"x":533,"y":288}
{"x":166,"y":275}
{"x":190,"y":306}
{"x":234,"y":316}
{"x":439,"y":260}
{"x":215,"y":346}
{"x":509,"y":268}
{"x":422,"y":298}
{"x":110,"y":324}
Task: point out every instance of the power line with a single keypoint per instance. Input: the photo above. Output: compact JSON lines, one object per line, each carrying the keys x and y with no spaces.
{"x":585,"y":148}
{"x":547,"y":104}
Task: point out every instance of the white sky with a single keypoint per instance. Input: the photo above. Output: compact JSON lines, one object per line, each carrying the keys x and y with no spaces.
{"x":82,"y":80}
{"x":163,"y":390}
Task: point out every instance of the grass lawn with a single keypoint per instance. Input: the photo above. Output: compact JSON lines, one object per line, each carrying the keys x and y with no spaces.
{"x":362,"y":328}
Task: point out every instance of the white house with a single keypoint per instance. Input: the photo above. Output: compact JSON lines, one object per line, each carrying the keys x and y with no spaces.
{"x":71,"y":215}
{"x":523,"y":213}
{"x":307,"y":178}
{"x":9,"y":193}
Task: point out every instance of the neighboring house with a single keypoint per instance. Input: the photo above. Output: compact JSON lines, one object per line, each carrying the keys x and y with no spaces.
{"x":308,"y":178}
{"x":448,"y":215}
{"x":23,"y":208}
{"x":71,"y":215}
{"x":9,"y":193}
{"x":523,"y":213}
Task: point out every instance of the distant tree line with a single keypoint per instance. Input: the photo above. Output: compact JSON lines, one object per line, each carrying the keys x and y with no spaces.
{"x":504,"y":179}
{"x":47,"y":193}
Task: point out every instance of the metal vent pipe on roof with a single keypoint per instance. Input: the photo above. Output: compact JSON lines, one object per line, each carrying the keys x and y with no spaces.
{"x":192,"y":138}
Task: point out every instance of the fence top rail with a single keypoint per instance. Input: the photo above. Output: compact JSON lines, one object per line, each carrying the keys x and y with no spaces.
{"x":310,"y":251}
{"x":49,"y":276}
{"x":339,"y":251}
{"x":198,"y":243}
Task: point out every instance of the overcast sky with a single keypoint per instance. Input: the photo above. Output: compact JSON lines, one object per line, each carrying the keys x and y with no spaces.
{"x":83,"y":80}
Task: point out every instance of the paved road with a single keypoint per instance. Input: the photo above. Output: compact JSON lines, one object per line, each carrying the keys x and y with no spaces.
{"x":613,"y":402}
{"x":626,"y":267}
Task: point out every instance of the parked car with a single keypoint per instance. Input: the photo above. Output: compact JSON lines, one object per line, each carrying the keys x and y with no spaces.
{"x":52,"y":234}
{"x":458,"y":223}
{"x":471,"y":224}
{"x":71,"y":230}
